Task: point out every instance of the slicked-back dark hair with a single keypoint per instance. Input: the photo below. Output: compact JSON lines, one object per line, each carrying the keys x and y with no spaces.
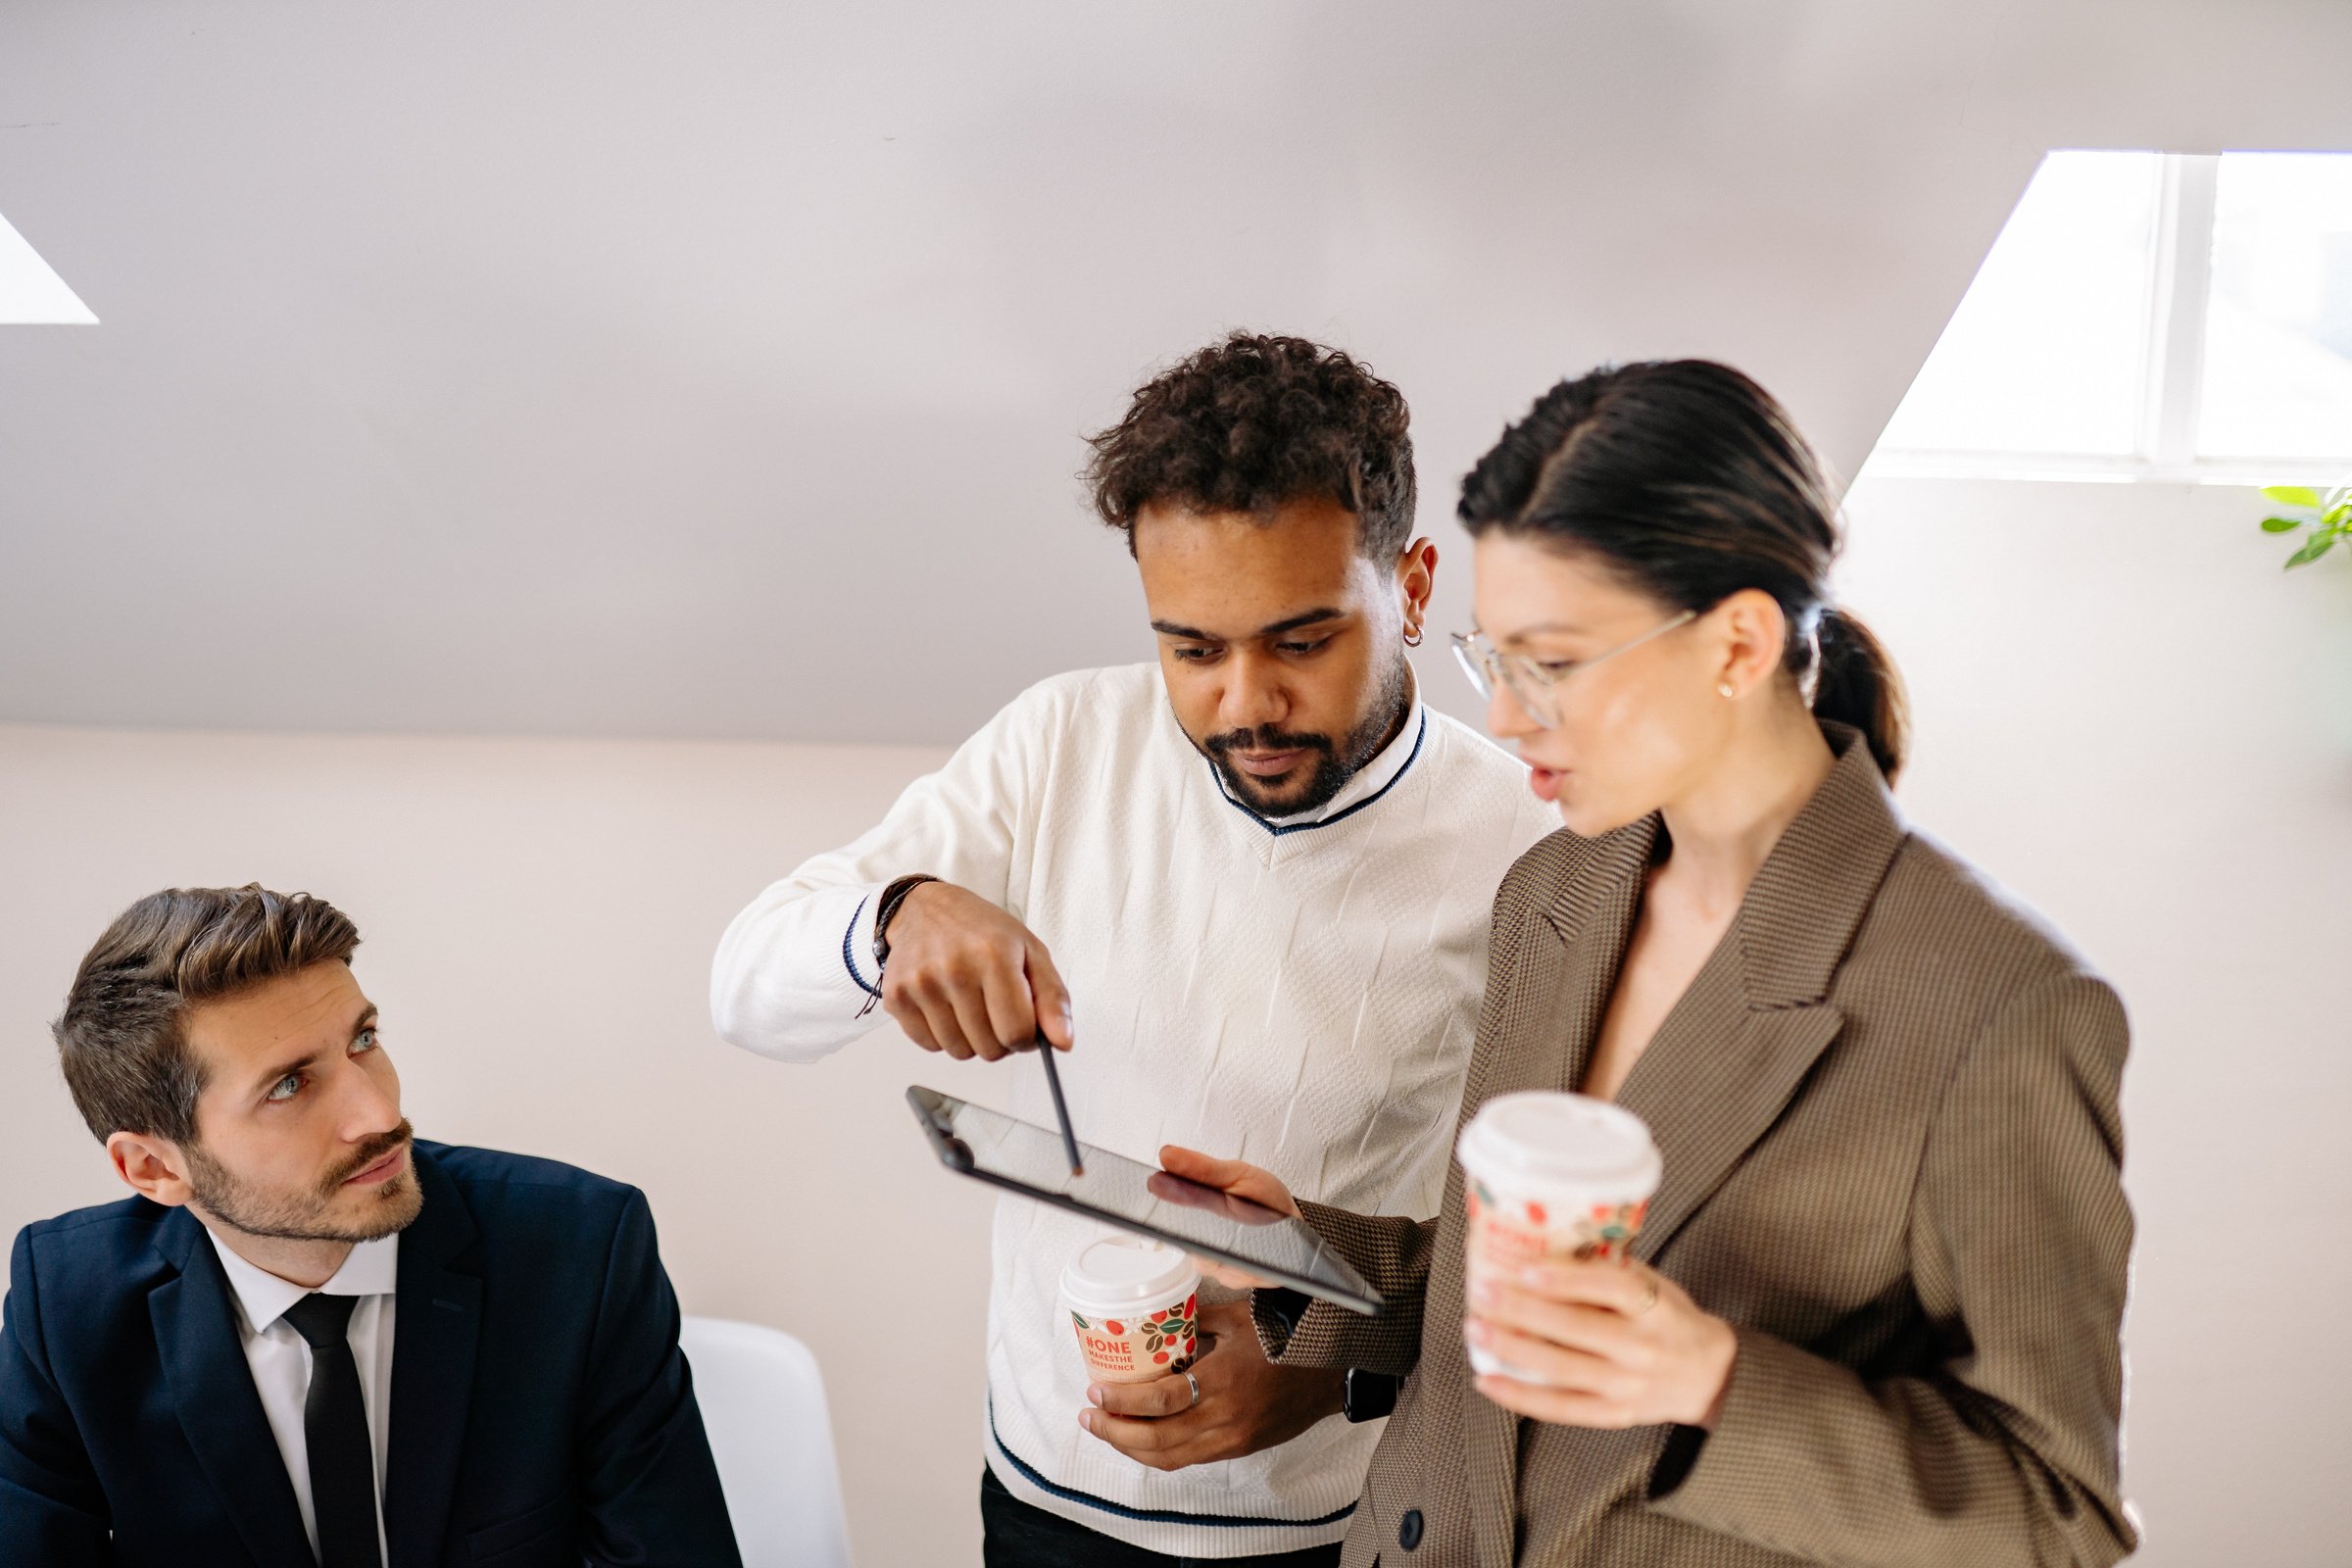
{"x":1690,"y":482}
{"x":122,"y":1037}
{"x":1254,"y":421}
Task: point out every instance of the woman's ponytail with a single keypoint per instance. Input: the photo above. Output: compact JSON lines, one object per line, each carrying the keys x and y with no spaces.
{"x":1860,"y":686}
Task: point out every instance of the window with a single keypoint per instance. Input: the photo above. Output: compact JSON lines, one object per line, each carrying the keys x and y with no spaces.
{"x":31,"y":294}
{"x":2149,"y":314}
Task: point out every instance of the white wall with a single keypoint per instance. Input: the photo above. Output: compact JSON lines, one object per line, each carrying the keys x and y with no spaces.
{"x":2131,"y":716}
{"x":2126,"y":711}
{"x":630,"y":354}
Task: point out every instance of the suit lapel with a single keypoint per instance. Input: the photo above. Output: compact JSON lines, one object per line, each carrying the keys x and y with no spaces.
{"x":1557,"y":991}
{"x":1740,"y":1042}
{"x":203,"y":1356}
{"x":439,"y":1320}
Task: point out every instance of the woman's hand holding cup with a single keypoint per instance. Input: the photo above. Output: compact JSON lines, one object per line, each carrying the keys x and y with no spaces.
{"x":1617,"y":1345}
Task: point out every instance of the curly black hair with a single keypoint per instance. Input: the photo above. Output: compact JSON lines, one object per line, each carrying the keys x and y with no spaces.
{"x":1255,"y":420}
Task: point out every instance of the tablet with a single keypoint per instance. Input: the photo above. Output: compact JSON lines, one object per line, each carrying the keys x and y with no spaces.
{"x":1020,"y":1157}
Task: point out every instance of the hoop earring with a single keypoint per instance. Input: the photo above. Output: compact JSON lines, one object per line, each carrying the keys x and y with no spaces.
{"x":1412,"y":636}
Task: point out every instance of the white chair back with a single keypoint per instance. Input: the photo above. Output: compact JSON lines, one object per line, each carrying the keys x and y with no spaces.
{"x":764,"y":1404}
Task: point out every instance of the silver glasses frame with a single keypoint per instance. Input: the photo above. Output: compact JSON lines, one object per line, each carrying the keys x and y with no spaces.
{"x":1536,"y":682}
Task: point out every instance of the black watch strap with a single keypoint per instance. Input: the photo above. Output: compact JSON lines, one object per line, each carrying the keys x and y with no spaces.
{"x":1369,"y":1396}
{"x":892,"y":897}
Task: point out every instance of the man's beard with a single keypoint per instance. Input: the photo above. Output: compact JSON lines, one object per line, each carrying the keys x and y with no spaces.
{"x":1335,"y":763}
{"x":302,"y":1215}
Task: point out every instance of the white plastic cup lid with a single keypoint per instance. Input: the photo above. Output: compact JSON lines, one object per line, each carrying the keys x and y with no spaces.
{"x":1124,"y":1274}
{"x":1544,"y":1139}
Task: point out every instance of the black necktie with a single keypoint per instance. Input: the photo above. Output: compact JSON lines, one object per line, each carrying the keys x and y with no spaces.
{"x":335,"y":1430}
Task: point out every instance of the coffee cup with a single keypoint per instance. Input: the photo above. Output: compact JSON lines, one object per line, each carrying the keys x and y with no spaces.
{"x":1135,"y":1307}
{"x":1552,"y":1176}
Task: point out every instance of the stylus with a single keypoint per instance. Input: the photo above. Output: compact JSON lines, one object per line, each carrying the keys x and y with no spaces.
{"x":1061,"y":1110}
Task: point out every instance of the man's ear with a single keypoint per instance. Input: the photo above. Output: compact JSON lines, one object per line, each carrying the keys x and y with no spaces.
{"x":151,"y":1167}
{"x":1416,"y":578}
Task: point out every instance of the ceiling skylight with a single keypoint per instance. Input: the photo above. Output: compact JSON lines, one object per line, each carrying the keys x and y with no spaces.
{"x":31,"y":294}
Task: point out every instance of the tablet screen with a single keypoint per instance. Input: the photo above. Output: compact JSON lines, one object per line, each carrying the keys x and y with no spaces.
{"x":991,"y":1147}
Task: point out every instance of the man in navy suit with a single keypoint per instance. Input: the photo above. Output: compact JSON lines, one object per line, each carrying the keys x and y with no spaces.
{"x":309,"y":1339}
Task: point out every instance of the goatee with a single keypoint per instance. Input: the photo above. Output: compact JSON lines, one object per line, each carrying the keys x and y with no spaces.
{"x":1335,"y":763}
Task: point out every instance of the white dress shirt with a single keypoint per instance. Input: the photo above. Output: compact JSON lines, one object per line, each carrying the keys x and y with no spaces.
{"x":280,"y":1358}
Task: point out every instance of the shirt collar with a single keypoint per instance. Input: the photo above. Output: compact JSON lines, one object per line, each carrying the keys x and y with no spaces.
{"x":1373,"y":778}
{"x":371,"y":1269}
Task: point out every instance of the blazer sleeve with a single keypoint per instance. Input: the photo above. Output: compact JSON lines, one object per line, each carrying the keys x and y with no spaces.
{"x":52,"y":1508}
{"x":652,"y":1488}
{"x":1393,"y":1253}
{"x":2007,"y":1450}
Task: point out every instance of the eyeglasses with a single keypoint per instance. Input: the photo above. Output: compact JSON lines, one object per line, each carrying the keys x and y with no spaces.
{"x":1536,"y":682}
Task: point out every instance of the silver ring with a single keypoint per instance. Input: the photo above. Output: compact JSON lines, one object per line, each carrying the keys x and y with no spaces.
{"x":1195,"y":1383}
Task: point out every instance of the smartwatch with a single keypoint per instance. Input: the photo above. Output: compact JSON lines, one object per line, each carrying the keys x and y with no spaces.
{"x":1364,"y":1395}
{"x":1368,"y":1395}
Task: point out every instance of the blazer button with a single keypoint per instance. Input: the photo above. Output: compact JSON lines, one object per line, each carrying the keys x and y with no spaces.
{"x":1408,"y":1529}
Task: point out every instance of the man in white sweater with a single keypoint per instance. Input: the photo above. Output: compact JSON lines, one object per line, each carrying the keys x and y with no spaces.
{"x":1248,"y":885}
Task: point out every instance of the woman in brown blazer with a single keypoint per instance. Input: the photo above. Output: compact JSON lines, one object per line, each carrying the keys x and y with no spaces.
{"x":1873,"y":1317}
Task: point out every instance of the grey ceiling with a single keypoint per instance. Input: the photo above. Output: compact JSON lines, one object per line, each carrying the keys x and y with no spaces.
{"x":700,"y":369}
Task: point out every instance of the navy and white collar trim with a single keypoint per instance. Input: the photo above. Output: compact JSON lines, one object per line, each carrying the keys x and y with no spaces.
{"x":1378,"y":777}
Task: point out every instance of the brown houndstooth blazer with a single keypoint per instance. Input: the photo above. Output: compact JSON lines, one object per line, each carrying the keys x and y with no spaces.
{"x":1886,"y":1106}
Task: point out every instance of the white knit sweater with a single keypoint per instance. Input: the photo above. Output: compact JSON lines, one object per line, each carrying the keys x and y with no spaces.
{"x":1300,"y":994}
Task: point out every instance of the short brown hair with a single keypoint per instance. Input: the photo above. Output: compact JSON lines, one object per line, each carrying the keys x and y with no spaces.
{"x":1254,"y":421}
{"x":126,"y":1055}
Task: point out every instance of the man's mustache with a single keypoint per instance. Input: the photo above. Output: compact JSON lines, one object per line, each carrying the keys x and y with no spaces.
{"x":1263,"y":739}
{"x":368,"y":1152}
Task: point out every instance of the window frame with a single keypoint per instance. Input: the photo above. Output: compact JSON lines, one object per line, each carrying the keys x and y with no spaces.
{"x":2172,"y":378}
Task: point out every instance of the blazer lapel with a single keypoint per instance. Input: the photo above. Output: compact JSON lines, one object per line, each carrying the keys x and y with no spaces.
{"x":203,"y":1356}
{"x":439,"y":1321}
{"x":1736,"y":1048}
{"x":1708,"y":1105}
{"x":1594,"y":917}
{"x":1557,"y":992}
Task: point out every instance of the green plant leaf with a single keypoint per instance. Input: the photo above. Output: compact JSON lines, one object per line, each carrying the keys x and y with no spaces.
{"x":2292,"y":495}
{"x":2281,"y":524}
{"x":2312,"y":551}
{"x":2340,"y":512}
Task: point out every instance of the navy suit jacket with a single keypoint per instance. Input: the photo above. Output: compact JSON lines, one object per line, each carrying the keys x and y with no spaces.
{"x":541,"y":1410}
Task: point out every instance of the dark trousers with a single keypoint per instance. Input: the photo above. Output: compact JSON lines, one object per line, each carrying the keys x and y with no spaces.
{"x":1019,"y":1535}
